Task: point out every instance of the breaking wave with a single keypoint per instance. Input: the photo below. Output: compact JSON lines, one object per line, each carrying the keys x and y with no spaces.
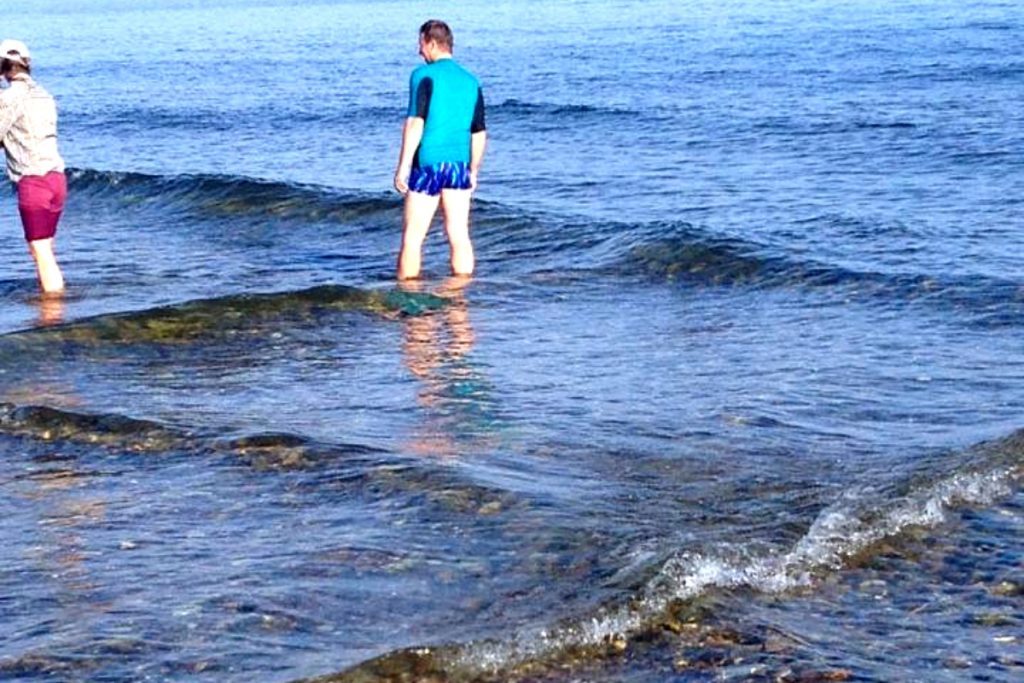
{"x":844,"y":533}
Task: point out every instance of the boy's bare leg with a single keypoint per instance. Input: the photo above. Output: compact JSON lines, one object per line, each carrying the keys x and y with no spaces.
{"x":456,"y":205}
{"x":418,"y":214}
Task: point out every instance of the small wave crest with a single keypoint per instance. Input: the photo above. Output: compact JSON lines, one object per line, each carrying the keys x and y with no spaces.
{"x":704,"y":259}
{"x":350,"y":467}
{"x":54,"y":424}
{"x":227,"y":316}
{"x":232,"y":195}
{"x":520,"y":108}
{"x":262,"y":451}
{"x":193,"y":116}
{"x":693,"y":258}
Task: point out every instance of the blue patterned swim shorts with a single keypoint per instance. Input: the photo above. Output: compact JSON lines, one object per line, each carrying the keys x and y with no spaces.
{"x":448,"y":175}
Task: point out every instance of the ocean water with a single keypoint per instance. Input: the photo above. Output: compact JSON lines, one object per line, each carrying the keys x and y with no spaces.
{"x":736,"y":393}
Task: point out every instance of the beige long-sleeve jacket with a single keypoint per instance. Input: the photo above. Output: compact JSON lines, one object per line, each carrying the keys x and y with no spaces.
{"x":28,"y":129}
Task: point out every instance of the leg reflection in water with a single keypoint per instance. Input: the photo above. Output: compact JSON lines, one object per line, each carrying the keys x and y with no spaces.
{"x":453,"y":396}
{"x":51,"y":310}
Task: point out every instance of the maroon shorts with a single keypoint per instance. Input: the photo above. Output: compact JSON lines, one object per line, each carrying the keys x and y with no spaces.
{"x":40,"y":203}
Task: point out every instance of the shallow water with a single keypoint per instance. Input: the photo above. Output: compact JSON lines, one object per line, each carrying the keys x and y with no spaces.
{"x":734,"y":394}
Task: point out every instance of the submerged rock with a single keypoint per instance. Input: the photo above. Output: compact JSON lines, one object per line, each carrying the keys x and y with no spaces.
{"x":995,"y":619}
{"x":1008,"y":589}
{"x":956,"y":663}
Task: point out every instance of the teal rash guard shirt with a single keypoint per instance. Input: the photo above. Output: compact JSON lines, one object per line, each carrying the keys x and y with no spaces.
{"x":451,"y":103}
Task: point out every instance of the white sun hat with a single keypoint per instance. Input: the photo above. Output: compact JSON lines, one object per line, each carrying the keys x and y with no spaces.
{"x":14,"y":50}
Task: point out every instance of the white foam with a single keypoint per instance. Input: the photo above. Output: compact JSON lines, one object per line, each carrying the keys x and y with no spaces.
{"x":845,"y":529}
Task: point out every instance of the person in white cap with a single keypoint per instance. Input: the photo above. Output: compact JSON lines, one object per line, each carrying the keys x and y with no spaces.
{"x":28,"y":133}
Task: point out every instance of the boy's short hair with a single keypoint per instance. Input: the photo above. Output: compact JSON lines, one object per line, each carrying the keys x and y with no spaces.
{"x":438,"y":31}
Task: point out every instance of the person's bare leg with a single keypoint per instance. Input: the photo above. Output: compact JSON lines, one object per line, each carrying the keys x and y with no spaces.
{"x":51,"y":280}
{"x":418,"y":214}
{"x":456,"y":223}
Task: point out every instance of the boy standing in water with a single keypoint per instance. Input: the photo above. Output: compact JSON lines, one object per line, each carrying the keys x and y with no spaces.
{"x":28,"y":132}
{"x":443,"y":143}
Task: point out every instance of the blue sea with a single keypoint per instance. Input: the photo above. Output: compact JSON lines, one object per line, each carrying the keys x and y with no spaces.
{"x":736,"y":393}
